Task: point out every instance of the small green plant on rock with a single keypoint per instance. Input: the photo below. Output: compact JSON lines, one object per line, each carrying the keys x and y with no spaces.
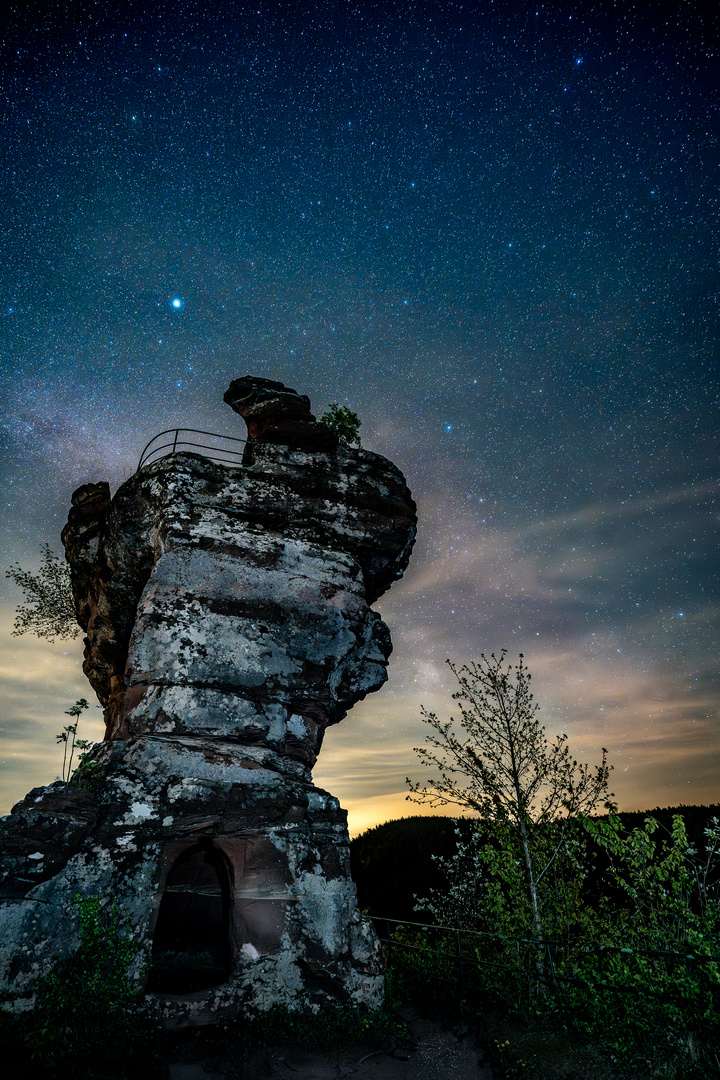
{"x":89,"y":774}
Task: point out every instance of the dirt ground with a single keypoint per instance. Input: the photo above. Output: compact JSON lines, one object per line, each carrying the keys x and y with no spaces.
{"x":437,"y":1055}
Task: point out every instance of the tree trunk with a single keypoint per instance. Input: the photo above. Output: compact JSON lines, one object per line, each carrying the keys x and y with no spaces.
{"x":532,"y":888}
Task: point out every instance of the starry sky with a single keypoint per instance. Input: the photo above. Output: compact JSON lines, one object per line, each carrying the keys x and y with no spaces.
{"x":489,"y":228}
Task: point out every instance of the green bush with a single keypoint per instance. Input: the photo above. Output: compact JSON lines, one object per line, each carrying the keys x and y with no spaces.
{"x":580,"y":924}
{"x":88,"y":1023}
{"x":626,"y":973}
{"x":344,"y":422}
{"x":331,"y":1028}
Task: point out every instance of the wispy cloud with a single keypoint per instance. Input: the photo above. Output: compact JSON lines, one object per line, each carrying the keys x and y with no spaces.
{"x":614,"y":662}
{"x":39,"y":680}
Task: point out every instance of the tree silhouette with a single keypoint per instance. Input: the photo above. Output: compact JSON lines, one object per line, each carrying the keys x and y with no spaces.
{"x":506,"y":769}
{"x":49,"y":610}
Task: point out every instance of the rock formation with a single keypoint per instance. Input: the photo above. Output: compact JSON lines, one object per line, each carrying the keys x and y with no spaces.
{"x":228,"y":623}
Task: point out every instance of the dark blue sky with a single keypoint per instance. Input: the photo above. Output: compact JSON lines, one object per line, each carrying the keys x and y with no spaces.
{"x":490,"y":228}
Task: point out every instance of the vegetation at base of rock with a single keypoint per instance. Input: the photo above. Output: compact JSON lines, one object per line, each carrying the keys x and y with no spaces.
{"x":344,"y":422}
{"x":129,"y":1052}
{"x":394,"y":863}
{"x":629,"y":973}
{"x":88,"y":1021}
{"x":624,"y":1025}
{"x":564,"y":921}
{"x":49,"y":609}
{"x":331,"y":1027}
{"x":642,"y":1012}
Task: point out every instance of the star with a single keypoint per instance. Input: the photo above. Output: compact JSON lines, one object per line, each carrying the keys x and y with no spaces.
{"x":353,"y":245}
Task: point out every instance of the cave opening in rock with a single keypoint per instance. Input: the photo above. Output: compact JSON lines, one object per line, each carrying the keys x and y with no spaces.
{"x":192,"y":941}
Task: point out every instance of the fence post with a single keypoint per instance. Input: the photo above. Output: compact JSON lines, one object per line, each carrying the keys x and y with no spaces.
{"x":460,"y":963}
{"x":177,"y":432}
{"x":552,"y":974}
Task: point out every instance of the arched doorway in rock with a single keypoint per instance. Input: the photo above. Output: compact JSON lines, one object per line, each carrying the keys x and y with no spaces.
{"x":192,"y":941}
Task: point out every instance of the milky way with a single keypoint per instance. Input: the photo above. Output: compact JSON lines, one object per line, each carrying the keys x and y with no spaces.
{"x":489,"y":229}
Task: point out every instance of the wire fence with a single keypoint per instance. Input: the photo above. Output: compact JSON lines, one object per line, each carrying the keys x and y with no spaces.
{"x":452,"y":954}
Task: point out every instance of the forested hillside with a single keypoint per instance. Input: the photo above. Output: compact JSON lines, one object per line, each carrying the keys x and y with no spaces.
{"x":393,"y":863}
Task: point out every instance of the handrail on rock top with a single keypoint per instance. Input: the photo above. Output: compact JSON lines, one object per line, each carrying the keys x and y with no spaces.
{"x":234,"y":458}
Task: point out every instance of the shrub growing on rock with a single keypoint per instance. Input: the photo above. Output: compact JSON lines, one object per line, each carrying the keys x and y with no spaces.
{"x":88,"y":1021}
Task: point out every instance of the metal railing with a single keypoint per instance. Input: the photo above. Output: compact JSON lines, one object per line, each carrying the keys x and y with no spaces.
{"x":449,"y":944}
{"x":175,"y":441}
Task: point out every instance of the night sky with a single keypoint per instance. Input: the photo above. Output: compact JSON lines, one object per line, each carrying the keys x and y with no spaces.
{"x":489,"y":228}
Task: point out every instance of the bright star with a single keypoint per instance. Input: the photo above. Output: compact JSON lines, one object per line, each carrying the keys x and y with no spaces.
{"x":176,"y":302}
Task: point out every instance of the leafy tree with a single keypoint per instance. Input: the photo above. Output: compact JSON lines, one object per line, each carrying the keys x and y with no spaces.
{"x":629,"y":923}
{"x":344,"y":422}
{"x":504,"y":768}
{"x":649,"y":985}
{"x":49,"y":610}
{"x":671,"y":891}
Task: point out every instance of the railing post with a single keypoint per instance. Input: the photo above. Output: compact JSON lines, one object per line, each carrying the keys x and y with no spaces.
{"x":460,"y":963}
{"x":177,"y":432}
{"x":552,"y":973}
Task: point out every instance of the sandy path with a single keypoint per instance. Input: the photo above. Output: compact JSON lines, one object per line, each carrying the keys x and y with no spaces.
{"x":438,"y":1055}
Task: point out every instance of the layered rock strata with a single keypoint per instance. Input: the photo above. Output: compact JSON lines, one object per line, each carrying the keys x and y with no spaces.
{"x":228,"y":623}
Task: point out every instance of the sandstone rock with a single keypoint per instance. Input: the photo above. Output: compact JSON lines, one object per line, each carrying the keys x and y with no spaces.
{"x":228,"y":623}
{"x":275,"y":413}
